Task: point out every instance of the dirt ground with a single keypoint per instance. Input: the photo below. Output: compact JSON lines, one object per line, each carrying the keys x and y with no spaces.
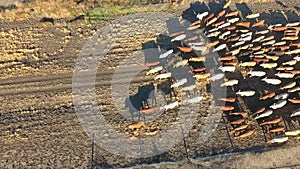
{"x":38,"y":124}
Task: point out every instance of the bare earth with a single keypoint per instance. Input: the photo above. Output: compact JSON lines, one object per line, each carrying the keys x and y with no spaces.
{"x":38,"y":124}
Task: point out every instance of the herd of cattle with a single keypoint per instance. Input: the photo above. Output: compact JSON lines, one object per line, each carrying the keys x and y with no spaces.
{"x":269,"y":53}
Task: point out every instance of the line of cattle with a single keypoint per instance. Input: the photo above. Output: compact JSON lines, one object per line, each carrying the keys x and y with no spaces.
{"x":270,"y":53}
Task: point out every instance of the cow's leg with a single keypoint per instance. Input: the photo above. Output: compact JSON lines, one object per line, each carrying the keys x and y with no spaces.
{"x":170,"y":97}
{"x":291,"y":125}
{"x":153,"y":98}
{"x":146,"y":103}
{"x":132,"y":116}
{"x":165,"y":97}
{"x":139,"y":116}
{"x":154,"y":101}
{"x":197,"y":92}
{"x":286,"y":125}
{"x":173,"y":93}
{"x":188,"y":92}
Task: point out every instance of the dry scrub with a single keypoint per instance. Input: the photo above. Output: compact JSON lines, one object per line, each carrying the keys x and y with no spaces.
{"x":270,"y":159}
{"x":71,"y":8}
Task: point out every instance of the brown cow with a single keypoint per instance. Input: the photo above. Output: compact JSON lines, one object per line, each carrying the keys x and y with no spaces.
{"x":267,"y":96}
{"x":275,"y":130}
{"x":247,"y":134}
{"x":239,"y":121}
{"x":273,"y":121}
{"x":229,"y":99}
{"x":225,"y":108}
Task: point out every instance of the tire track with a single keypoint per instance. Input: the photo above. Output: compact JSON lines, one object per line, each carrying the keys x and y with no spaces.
{"x":63,"y":82}
{"x":50,"y":78}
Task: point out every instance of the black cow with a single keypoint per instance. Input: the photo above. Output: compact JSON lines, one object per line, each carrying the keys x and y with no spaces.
{"x":165,"y":88}
{"x":139,"y":101}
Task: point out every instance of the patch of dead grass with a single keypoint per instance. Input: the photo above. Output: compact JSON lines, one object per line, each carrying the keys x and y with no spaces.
{"x":71,"y":8}
{"x":43,"y":8}
{"x":270,"y":159}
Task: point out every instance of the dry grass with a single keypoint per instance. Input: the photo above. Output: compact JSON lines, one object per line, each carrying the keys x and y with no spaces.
{"x":254,"y":1}
{"x":71,"y":8}
{"x":43,"y":8}
{"x":270,"y":159}
{"x":96,"y":15}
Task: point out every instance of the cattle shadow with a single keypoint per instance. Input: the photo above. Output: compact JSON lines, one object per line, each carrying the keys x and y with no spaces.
{"x":292,"y":16}
{"x":163,"y":43}
{"x":151,"y":51}
{"x":244,"y":9}
{"x":197,"y":7}
{"x":215,"y":7}
{"x":278,"y":17}
{"x":273,"y":18}
{"x":139,"y":101}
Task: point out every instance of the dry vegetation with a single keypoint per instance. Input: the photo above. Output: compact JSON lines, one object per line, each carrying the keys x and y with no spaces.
{"x":100,"y":8}
{"x":40,"y":8}
{"x":71,"y":8}
{"x":275,"y":158}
